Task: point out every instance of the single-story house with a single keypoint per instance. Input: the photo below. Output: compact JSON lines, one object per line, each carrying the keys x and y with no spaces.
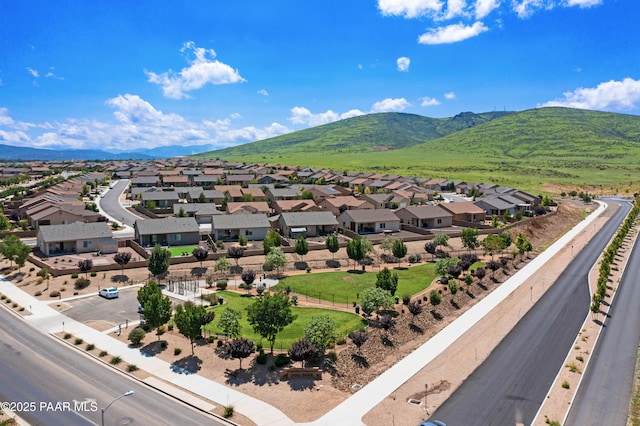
{"x":248,"y":207}
{"x":495,"y":206}
{"x":465,"y":211}
{"x":309,"y":224}
{"x":159,"y":198}
{"x":337,"y":205}
{"x":283,"y":206}
{"x":369,"y":221}
{"x":77,"y":237}
{"x":425,"y":217}
{"x":201,"y":211}
{"x":229,"y":227}
{"x":169,"y":231}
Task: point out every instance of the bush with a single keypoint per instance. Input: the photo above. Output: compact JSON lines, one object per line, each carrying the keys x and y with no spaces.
{"x":2,"y":297}
{"x":211,"y":339}
{"x":220,"y":244}
{"x":32,"y":269}
{"x":103,"y":354}
{"x":74,"y":275}
{"x":228,"y":411}
{"x":341,"y":341}
{"x":281,"y":360}
{"x":219,"y":344}
{"x":580,"y":358}
{"x":40,"y":280}
{"x":115,"y":360}
{"x":90,"y":347}
{"x":406,"y":298}
{"x":177,"y":351}
{"x":132,"y":367}
{"x":332,"y":356}
{"x":415,"y":258}
{"x":146,"y":327}
{"x":221,"y":284}
{"x":136,"y":335}
{"x":261,"y":358}
{"x":78,"y":341}
{"x":81,"y":283}
{"x":565,"y":384}
{"x":93,"y":273}
{"x":163,"y":344}
{"x":38,"y":293}
{"x":67,"y":336}
{"x":160,"y":330}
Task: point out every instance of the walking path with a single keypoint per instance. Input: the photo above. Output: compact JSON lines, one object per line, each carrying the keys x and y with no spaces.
{"x":350,"y":412}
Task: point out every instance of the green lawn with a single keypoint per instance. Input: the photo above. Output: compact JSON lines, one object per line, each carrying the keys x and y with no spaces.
{"x":345,"y":287}
{"x":177,"y":251}
{"x":346,"y":322}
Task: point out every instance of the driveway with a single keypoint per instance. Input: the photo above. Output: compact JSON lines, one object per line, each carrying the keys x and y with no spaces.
{"x":113,"y":311}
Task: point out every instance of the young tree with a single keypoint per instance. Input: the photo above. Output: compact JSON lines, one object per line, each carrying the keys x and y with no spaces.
{"x":441,"y":240}
{"x":469,"y":237}
{"x":4,"y":222}
{"x":453,"y":288}
{"x":122,"y":258}
{"x":85,"y":266}
{"x":491,"y":244}
{"x":248,"y":276}
{"x":21,"y":253}
{"x":181,"y":213}
{"x":145,"y":292}
{"x":157,"y":310}
{"x":493,"y":266}
{"x":357,"y":249}
{"x":399,"y":249}
{"x":229,"y":323}
{"x":387,"y":280}
{"x":240,"y":349}
{"x":321,"y":332}
{"x":359,"y":337}
{"x":272,"y":239}
{"x":158,"y":261}
{"x":443,"y":265}
{"x":302,"y":247}
{"x":275,"y":260}
{"x":333,"y":245}
{"x":523,"y":245}
{"x":302,"y":350}
{"x":435,"y":298}
{"x":387,"y":243}
{"x":201,"y":254}
{"x":269,"y":315}
{"x":235,"y":252}
{"x":430,"y":247}
{"x":188,"y":319}
{"x":415,"y":309}
{"x":222,"y":265}
{"x":374,"y":299}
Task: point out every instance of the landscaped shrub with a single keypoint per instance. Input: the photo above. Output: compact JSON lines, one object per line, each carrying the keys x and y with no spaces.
{"x":93,"y":273}
{"x":211,"y":339}
{"x":341,"y":341}
{"x":565,"y":384}
{"x":415,"y":258}
{"x":136,"y":335}
{"x":177,"y":351}
{"x":40,"y":280}
{"x":81,"y":283}
{"x":406,"y":298}
{"x":90,"y":346}
{"x":78,"y":341}
{"x":163,"y":344}
{"x":67,"y":336}
{"x":115,"y":360}
{"x":261,"y":358}
{"x":220,"y":244}
{"x":2,"y":297}
{"x":132,"y":367}
{"x":332,"y":356}
{"x":228,"y":411}
{"x":103,"y":354}
{"x":221,"y":284}
{"x":74,"y":275}
{"x":281,"y":360}
{"x":219,"y":344}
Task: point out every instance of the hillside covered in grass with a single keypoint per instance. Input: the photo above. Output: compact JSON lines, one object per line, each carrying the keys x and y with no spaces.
{"x":529,"y":149}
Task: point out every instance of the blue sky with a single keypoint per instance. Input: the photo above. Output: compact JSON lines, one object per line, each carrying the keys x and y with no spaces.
{"x":123,"y":75}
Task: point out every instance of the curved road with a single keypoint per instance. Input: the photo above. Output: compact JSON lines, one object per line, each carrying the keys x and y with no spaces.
{"x":509,"y":387}
{"x":605,"y":391}
{"x":36,"y":368}
{"x":110,"y":204}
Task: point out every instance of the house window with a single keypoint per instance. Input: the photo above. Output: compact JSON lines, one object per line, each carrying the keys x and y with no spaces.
{"x":439,"y":221}
{"x":86,"y":244}
{"x":177,"y":237}
{"x":382,"y":226}
{"x":247,"y":232}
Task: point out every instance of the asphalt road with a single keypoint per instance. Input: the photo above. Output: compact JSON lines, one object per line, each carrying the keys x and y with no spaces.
{"x":110,"y":203}
{"x":34,"y":368}
{"x":509,"y":387}
{"x":96,"y":308}
{"x":605,"y":392}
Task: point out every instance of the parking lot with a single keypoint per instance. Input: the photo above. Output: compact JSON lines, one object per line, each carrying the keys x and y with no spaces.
{"x":114,"y":311}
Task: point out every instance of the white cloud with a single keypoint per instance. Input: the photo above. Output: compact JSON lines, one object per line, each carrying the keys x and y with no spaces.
{"x":455,"y":8}
{"x":403,"y":63}
{"x":608,"y":96}
{"x":5,"y":120}
{"x":263,"y":92}
{"x":584,"y":3}
{"x":390,"y":104}
{"x":203,"y":69}
{"x":450,"y":95}
{"x":525,"y":8}
{"x":33,"y":72}
{"x":485,"y":7}
{"x":452,"y":33}
{"x":409,"y":8}
{"x":427,"y":101}
{"x":302,"y":115}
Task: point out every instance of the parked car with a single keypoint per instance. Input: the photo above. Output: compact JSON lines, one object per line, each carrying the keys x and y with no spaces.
{"x":109,"y":292}
{"x":140,"y":309}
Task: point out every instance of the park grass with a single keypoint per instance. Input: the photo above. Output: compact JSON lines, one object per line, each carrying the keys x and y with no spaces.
{"x":345,"y":287}
{"x":177,"y":251}
{"x":346,"y":322}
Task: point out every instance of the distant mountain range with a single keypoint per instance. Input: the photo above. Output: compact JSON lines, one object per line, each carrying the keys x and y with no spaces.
{"x":17,"y":153}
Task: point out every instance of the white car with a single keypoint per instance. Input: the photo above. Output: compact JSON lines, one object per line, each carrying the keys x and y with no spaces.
{"x":109,"y":292}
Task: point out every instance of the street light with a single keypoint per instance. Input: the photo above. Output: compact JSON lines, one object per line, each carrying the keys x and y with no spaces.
{"x":127,"y":393}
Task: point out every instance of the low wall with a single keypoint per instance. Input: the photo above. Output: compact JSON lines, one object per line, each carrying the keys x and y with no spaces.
{"x":301,"y":373}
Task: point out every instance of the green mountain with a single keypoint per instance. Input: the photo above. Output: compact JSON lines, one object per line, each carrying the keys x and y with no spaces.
{"x":539,"y":149}
{"x":365,"y":133}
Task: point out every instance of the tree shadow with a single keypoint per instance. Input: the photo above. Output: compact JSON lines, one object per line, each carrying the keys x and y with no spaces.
{"x":356,"y":271}
{"x":236,"y":270}
{"x":154,"y":348}
{"x":333,"y":263}
{"x":471,"y":295}
{"x":436,"y":315}
{"x":301,"y":384}
{"x":300,"y":266}
{"x":188,"y":365}
{"x":482,"y":286}
{"x":119,"y":278}
{"x":600,"y":323}
{"x":198,"y":272}
{"x":400,"y":268}
{"x":416,"y":329}
{"x":386,"y":341}
{"x":455,"y":304}
{"x":360,"y":361}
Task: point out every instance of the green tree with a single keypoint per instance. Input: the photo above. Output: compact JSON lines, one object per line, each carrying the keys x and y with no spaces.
{"x":158,"y":261}
{"x":387,"y":280}
{"x":443,"y":265}
{"x":275,"y":260}
{"x":302,"y":350}
{"x":374,"y":299}
{"x":272,"y":239}
{"x":11,"y":246}
{"x":358,"y":248}
{"x":22,"y":252}
{"x":189,"y":318}
{"x":491,"y":244}
{"x":4,"y":222}
{"x":157,"y":310}
{"x":435,"y":298}
{"x":202,"y":198}
{"x":333,"y":245}
{"x":387,"y":243}
{"x":441,"y":240}
{"x":229,"y":323}
{"x":302,"y":247}
{"x":122,"y":258}
{"x":136,"y":336}
{"x":222,"y":265}
{"x":181,"y":213}
{"x":321,"y":332}
{"x":201,"y":254}
{"x":399,"y":249}
{"x":469,"y":237}
{"x":522,"y":244}
{"x":240,"y":349}
{"x":269,"y":315}
{"x":145,"y":292}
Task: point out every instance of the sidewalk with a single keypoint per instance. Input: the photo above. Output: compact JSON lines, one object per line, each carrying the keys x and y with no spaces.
{"x":350,"y":412}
